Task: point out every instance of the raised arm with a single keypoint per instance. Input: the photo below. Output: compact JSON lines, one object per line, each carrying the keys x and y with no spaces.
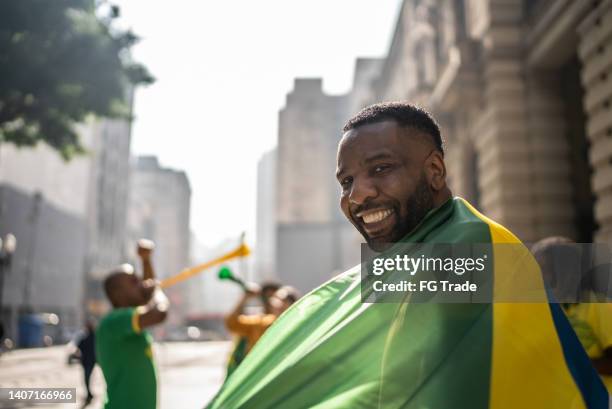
{"x":145,"y":250}
{"x":238,"y":323}
{"x":156,"y":310}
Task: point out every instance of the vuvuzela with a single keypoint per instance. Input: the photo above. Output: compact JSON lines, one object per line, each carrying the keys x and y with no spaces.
{"x":241,"y":251}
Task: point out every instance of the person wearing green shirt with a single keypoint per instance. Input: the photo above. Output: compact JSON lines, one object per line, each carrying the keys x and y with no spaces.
{"x":123,"y":347}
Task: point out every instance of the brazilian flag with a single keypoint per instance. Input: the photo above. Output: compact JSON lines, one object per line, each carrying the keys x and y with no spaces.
{"x":331,"y":350}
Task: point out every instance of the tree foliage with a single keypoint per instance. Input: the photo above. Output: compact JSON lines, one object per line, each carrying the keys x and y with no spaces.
{"x":61,"y":60}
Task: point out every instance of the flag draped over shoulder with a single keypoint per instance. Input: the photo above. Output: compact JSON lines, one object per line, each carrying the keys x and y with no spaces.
{"x":330,"y":350}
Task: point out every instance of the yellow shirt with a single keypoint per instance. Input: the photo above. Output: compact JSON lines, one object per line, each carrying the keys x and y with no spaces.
{"x":250,"y":326}
{"x":592,"y":322}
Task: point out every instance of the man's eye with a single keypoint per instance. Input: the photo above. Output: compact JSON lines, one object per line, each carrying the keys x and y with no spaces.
{"x":381,"y":168}
{"x":346,"y":182}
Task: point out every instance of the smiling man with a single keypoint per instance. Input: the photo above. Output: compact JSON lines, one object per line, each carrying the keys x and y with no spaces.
{"x":391,"y":169}
{"x":331,"y":350}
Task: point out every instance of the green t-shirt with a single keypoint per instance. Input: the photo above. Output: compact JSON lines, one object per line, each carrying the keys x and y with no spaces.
{"x":124,"y":353}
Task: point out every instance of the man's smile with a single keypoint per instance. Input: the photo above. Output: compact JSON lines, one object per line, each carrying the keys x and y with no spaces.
{"x":376,"y":220}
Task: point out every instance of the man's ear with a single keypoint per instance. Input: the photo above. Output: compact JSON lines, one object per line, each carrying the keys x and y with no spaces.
{"x":435,"y":171}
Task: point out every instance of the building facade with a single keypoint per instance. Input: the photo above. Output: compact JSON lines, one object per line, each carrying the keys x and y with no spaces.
{"x":509,"y":82}
{"x":74,"y":230}
{"x":46,"y":275}
{"x":521,"y":90}
{"x":310,"y":231}
{"x":106,"y":215}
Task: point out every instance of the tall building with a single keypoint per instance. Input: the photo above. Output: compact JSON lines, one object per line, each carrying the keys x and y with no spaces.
{"x":159,"y":209}
{"x":310,"y":230}
{"x":69,"y":219}
{"x":107,"y":206}
{"x":46,"y":275}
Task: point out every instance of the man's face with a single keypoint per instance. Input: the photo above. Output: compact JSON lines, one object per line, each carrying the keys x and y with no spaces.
{"x":385,"y":193}
{"x":134,"y":291}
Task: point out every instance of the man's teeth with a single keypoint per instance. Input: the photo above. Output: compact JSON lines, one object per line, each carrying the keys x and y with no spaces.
{"x":377,"y":216}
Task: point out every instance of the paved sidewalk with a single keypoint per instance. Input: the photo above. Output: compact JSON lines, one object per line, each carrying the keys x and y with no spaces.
{"x":189,"y":374}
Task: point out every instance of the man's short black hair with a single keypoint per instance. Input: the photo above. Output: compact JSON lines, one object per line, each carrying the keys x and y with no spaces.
{"x":111,"y":282}
{"x":406,"y":116}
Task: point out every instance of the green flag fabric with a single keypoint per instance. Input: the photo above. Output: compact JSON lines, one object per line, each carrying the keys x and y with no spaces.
{"x":331,"y":350}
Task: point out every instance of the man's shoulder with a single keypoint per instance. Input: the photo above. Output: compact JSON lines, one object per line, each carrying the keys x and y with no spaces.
{"x":473,"y":226}
{"x":113,"y":316}
{"x":340,"y":283}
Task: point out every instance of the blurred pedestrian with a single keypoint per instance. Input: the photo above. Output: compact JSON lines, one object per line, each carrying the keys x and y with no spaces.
{"x":590,"y":319}
{"x":241,"y":343}
{"x":123,"y":347}
{"x":252,"y":327}
{"x":87,"y":351}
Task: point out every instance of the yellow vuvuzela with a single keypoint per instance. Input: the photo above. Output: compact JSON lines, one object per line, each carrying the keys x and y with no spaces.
{"x":241,"y":251}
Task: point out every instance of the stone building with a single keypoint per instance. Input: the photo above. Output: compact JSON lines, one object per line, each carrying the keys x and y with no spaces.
{"x":159,"y":209}
{"x":46,"y":273}
{"x":106,"y":215}
{"x":313,"y":239}
{"x":309,"y":226}
{"x":522,"y":92}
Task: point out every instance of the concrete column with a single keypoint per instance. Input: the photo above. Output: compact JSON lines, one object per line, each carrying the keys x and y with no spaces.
{"x":502,"y":141}
{"x":595,"y":52}
{"x":501,"y":131}
{"x":550,"y":180}
{"x":460,"y":162}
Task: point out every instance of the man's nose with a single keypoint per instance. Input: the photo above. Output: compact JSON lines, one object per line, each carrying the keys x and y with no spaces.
{"x":362,"y":190}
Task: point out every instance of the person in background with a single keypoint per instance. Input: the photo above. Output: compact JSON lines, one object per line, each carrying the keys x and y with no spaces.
{"x":123,"y":347}
{"x":87,"y":351}
{"x":592,"y":321}
{"x":241,"y":344}
{"x":252,"y":327}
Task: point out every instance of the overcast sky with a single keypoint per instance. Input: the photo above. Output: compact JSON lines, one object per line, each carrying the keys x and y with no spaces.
{"x":223,"y":69}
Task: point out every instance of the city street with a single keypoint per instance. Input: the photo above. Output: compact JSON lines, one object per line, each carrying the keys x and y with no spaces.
{"x":189,"y":374}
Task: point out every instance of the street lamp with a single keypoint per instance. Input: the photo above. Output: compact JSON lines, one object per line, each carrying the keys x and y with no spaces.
{"x":9,"y":245}
{"x":7,"y":249}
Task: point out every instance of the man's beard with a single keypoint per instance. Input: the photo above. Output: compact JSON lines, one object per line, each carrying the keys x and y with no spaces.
{"x":417,"y":207}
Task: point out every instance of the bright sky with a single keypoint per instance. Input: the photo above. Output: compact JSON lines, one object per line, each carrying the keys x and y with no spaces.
{"x":223,"y":69}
